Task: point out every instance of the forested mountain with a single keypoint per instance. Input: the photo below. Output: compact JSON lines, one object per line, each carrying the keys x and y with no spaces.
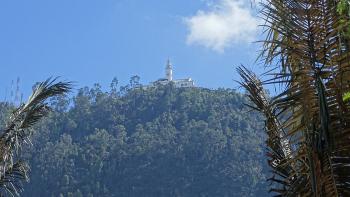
{"x":159,"y":141}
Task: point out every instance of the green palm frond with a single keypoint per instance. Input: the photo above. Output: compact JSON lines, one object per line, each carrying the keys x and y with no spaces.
{"x":17,"y":132}
{"x":27,"y":114}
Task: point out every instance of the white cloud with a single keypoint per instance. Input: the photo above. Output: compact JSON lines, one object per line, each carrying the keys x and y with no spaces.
{"x":228,"y":22}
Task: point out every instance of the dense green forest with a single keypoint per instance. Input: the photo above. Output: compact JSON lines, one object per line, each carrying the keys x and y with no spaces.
{"x":159,"y":141}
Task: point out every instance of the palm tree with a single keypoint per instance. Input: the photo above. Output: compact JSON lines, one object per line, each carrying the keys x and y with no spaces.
{"x":308,"y":122}
{"x":13,"y":170}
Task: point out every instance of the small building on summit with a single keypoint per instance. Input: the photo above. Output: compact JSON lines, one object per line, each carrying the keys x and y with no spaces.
{"x":180,"y":83}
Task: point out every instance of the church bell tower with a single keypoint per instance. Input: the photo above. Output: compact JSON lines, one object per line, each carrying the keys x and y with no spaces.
{"x":169,"y":71}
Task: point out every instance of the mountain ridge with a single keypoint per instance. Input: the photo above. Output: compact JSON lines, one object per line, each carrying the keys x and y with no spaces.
{"x":163,"y":141}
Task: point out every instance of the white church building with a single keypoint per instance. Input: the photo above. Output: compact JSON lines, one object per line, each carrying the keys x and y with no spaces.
{"x":180,"y":83}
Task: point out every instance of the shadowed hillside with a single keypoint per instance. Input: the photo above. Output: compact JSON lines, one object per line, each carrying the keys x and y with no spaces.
{"x":163,"y":141}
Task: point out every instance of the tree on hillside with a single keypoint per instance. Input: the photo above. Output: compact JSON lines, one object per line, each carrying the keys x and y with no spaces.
{"x":13,"y":170}
{"x":308,"y":123}
{"x":160,"y":141}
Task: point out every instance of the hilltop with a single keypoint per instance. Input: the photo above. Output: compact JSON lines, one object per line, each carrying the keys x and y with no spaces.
{"x":160,"y":141}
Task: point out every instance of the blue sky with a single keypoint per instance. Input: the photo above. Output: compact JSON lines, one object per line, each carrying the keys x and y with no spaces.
{"x":89,"y":41}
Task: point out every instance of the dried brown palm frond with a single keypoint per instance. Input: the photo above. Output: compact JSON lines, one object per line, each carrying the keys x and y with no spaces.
{"x":305,"y":39}
{"x":279,"y":150}
{"x":17,"y":132}
{"x":11,"y":182}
